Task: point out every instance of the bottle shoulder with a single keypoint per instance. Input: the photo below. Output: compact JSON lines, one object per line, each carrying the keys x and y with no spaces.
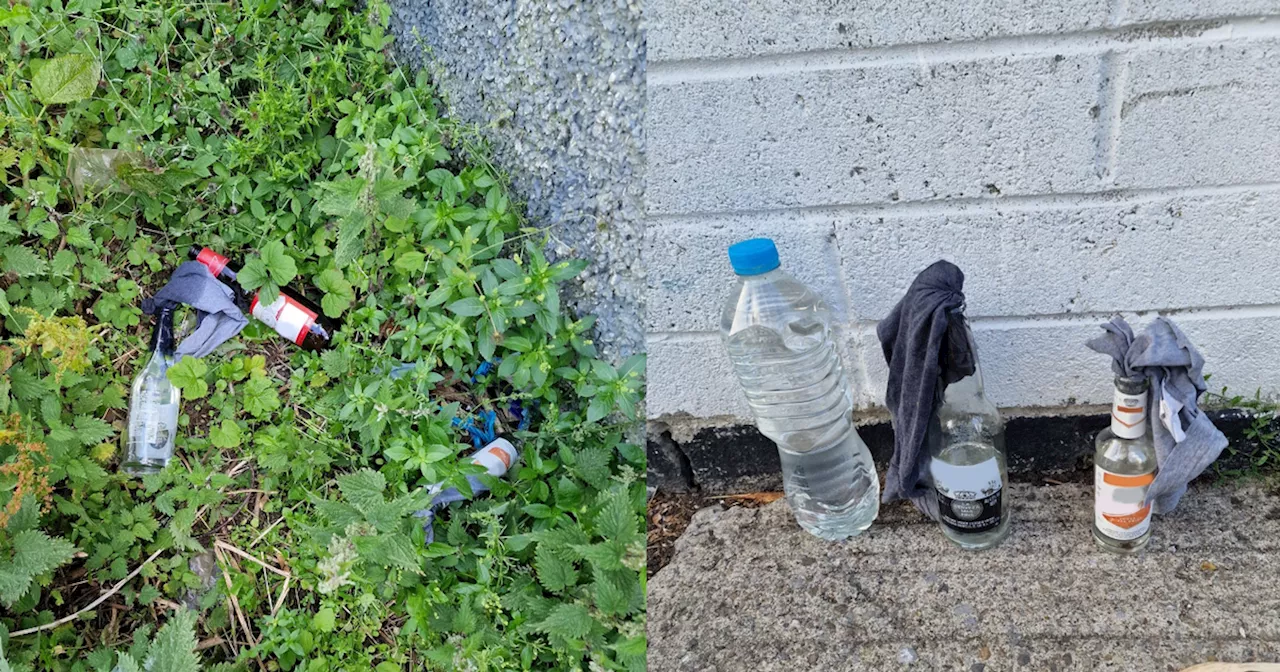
{"x":771,"y":301}
{"x":1114,"y":452}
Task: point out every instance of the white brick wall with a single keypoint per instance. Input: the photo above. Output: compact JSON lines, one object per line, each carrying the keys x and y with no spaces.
{"x":1076,"y":158}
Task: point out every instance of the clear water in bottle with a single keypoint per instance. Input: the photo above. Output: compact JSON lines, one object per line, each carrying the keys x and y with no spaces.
{"x":779,"y":338}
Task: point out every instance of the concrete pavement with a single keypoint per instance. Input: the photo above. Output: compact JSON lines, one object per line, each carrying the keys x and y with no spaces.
{"x":749,"y":590}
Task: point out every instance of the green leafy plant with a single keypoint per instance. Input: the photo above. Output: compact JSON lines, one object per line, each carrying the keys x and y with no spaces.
{"x":1261,"y":451}
{"x":284,"y":134}
{"x":26,"y":555}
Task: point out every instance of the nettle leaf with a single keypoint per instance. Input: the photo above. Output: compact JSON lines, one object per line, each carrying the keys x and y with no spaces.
{"x":335,"y":362}
{"x":554,"y":573}
{"x":66,"y":79}
{"x":591,"y":464}
{"x":188,"y":374}
{"x":341,"y":198}
{"x":351,"y":238}
{"x":23,"y":262}
{"x":127,"y":663}
{"x":617,"y":521}
{"x":338,"y":292}
{"x":397,"y":550}
{"x":34,"y":553}
{"x":91,"y":431}
{"x":363,"y":488}
{"x":607,"y":555}
{"x":338,"y":514}
{"x":561,"y":540}
{"x":571,"y":621}
{"x":612,"y":595}
{"x":174,"y":647}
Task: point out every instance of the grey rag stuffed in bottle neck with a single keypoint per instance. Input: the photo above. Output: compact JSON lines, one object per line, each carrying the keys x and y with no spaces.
{"x":1186,"y":440}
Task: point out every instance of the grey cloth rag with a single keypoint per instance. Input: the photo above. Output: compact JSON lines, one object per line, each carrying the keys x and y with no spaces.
{"x":217,"y":316}
{"x":444,"y":498}
{"x":924,"y":344}
{"x":1185,"y":438}
{"x":1118,"y":343}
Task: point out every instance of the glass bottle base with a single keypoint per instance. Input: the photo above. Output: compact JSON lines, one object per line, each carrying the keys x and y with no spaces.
{"x":980,"y":541}
{"x":1118,"y":546}
{"x":143,"y":467}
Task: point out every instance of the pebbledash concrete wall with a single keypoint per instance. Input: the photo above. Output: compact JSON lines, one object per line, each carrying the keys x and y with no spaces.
{"x":1077,"y":158}
{"x":557,"y":89}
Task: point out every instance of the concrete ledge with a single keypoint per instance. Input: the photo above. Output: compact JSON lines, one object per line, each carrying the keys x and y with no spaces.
{"x":747,"y":589}
{"x":737,"y":458}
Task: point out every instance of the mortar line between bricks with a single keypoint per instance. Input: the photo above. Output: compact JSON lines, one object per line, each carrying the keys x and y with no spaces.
{"x":1130,"y":38}
{"x":1187,"y":314}
{"x":822,"y":214}
{"x":1032,"y":321}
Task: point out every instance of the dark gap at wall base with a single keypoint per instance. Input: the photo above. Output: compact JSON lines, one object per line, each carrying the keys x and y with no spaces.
{"x":738,"y":458}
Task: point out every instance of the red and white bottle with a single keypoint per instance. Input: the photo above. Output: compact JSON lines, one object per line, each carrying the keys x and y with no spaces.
{"x":292,"y":314}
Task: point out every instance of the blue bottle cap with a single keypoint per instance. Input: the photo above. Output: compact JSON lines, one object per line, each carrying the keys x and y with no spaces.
{"x":754,"y":256}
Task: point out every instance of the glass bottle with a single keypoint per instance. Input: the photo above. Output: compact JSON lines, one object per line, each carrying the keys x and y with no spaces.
{"x":967,"y":462}
{"x":292,"y":314}
{"x":1124,"y":466}
{"x":153,"y":406}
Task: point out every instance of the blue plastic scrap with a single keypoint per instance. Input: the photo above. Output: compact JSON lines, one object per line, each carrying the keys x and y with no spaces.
{"x":482,"y":425}
{"x":479,"y":435}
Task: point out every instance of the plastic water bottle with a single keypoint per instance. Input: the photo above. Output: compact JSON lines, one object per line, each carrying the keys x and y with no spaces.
{"x":779,"y":337}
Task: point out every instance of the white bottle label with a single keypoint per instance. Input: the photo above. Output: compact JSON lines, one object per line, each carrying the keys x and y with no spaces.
{"x":496,"y":457}
{"x":969,"y":497}
{"x":1119,"y":508}
{"x":1129,"y":415}
{"x":288,"y":317}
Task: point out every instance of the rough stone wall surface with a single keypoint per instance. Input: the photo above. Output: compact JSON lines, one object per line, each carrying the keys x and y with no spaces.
{"x":1077,"y":158}
{"x":557,"y":90}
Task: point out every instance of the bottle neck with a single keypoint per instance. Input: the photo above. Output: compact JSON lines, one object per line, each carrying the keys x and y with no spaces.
{"x":971,"y":386}
{"x":220,"y":266}
{"x":767,"y":276}
{"x":1129,"y":409}
{"x":162,"y":334}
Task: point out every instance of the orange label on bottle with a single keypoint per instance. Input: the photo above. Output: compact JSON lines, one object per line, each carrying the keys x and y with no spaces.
{"x":1119,"y":505}
{"x":1129,"y":521}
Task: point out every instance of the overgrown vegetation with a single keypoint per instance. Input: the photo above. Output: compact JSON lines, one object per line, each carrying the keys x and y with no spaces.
{"x":1261,"y":452}
{"x":283,"y":536}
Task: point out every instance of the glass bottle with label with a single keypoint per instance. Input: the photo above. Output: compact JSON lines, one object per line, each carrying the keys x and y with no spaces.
{"x":967,"y":463}
{"x":153,"y":406}
{"x":1124,"y":468}
{"x":292,"y":315}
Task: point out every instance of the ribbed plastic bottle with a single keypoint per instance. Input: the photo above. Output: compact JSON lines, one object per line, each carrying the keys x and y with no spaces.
{"x":779,"y":337}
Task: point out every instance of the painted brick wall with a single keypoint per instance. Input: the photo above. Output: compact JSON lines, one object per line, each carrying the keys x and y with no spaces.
{"x":1076,"y":158}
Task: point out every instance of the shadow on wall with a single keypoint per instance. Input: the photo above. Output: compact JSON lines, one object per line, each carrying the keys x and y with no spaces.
{"x":557,"y":89}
